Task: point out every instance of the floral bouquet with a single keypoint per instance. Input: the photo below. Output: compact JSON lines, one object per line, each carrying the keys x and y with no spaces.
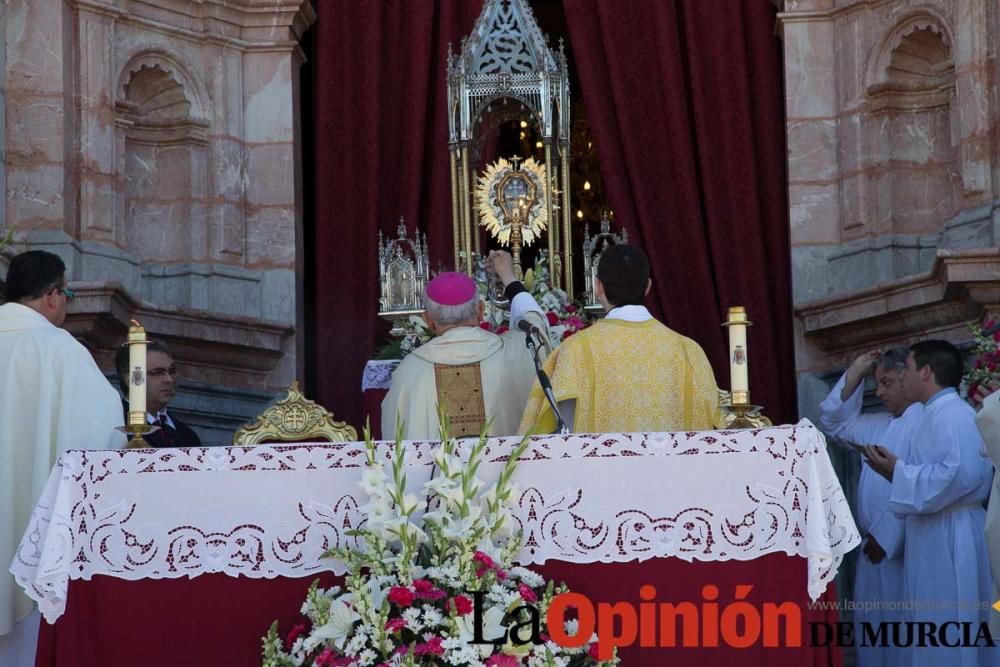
{"x":984,"y":378}
{"x":435,"y":587}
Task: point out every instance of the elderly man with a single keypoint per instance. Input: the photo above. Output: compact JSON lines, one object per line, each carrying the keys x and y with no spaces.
{"x":940,"y":487}
{"x":161,"y":387}
{"x":53,"y":397}
{"x":879,"y":574}
{"x":477,"y":377}
{"x":628,"y":372}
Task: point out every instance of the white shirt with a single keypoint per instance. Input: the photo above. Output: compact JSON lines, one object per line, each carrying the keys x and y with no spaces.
{"x":155,"y":419}
{"x":629,"y":314}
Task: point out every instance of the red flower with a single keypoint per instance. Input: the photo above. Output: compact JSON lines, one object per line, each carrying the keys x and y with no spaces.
{"x":433,"y":646}
{"x":463,"y":605}
{"x":570,"y":308}
{"x":502,"y":660}
{"x":484,"y":325}
{"x":527,"y":594}
{"x":395,"y":624}
{"x":293,"y":634}
{"x":593,"y":651}
{"x":480,"y":557}
{"x":423,"y":586}
{"x":568,"y":333}
{"x":502,"y":329}
{"x":401,"y":596}
{"x":996,"y":336}
{"x":326,"y":659}
{"x":553,"y":318}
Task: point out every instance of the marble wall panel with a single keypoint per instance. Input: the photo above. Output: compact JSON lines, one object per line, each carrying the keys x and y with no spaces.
{"x":271,"y":238}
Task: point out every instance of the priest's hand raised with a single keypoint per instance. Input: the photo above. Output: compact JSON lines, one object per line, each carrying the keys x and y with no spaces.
{"x":502,"y":264}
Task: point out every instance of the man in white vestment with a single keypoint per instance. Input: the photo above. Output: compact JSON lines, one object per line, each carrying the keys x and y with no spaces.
{"x":988,"y":421}
{"x":53,"y":397}
{"x":476,"y":376}
{"x":940,"y":488}
{"x":879,"y":574}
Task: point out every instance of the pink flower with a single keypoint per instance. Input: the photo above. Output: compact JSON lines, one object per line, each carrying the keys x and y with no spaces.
{"x":401,"y":596}
{"x":502,"y":660}
{"x":463,"y":605}
{"x":553,"y":318}
{"x":293,"y":634}
{"x":501,"y":575}
{"x":326,"y":658}
{"x":433,"y":647}
{"x":527,"y":594}
{"x":480,"y":557}
{"x":395,"y":624}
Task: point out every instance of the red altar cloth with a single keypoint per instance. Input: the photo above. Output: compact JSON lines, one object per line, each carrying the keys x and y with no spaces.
{"x":215,"y":620}
{"x":373,"y":410}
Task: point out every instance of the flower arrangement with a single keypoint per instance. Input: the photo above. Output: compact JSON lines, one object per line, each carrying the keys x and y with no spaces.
{"x":984,"y":377}
{"x":420,"y":581}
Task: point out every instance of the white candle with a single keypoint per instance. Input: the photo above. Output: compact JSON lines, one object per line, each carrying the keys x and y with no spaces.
{"x":136,"y":374}
{"x":739,"y":361}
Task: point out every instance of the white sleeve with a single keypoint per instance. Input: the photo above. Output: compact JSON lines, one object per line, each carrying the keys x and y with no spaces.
{"x":843,"y":419}
{"x":524,"y":306}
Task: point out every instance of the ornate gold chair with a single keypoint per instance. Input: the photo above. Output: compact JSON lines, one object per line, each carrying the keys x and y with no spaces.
{"x":294,"y":419}
{"x":757,"y":419}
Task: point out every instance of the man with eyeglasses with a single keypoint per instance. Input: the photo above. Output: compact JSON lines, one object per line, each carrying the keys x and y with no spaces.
{"x":161,"y":387}
{"x":53,"y":397}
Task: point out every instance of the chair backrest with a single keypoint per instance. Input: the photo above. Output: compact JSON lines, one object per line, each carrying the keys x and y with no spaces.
{"x":294,"y":419}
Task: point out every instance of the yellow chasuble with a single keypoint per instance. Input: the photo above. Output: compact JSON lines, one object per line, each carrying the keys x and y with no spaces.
{"x":626,"y":377}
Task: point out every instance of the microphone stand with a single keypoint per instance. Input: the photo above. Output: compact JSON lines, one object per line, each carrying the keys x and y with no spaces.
{"x":543,"y":379}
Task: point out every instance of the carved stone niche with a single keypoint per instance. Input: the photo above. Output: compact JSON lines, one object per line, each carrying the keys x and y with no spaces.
{"x":962,"y":287}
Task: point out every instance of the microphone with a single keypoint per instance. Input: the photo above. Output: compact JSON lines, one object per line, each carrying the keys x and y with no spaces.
{"x":528,"y":328}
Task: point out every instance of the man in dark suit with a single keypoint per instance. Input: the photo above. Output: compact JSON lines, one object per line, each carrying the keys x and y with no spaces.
{"x":161,"y":387}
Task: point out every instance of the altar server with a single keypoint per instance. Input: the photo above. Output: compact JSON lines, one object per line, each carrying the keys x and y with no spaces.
{"x":53,"y":397}
{"x":879,"y":575}
{"x":940,"y":487}
{"x":627,"y":372}
{"x":476,"y":376}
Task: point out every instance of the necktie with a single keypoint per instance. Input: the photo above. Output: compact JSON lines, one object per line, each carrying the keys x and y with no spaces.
{"x":163,"y":428}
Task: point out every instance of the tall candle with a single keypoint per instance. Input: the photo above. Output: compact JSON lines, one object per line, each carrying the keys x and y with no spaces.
{"x":739,"y":361}
{"x":136,"y":374}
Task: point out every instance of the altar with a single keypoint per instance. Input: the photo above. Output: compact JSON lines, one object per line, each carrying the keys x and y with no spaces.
{"x":186,"y":556}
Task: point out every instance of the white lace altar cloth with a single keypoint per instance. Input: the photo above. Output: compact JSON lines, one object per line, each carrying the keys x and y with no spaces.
{"x":273,"y":510}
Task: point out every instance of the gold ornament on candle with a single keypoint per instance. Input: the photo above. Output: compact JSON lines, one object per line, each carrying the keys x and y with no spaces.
{"x":136,"y":378}
{"x":740,"y":408}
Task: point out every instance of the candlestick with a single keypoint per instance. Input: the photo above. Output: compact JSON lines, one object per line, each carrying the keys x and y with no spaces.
{"x":136,"y":379}
{"x":739,"y":361}
{"x":739,"y":364}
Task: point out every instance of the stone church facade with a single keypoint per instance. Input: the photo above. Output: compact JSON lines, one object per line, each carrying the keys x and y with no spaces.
{"x":154,"y":145}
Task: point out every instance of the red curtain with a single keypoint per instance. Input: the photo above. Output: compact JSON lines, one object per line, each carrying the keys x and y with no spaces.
{"x":381,"y":152}
{"x":686,"y":107}
{"x":685,"y":102}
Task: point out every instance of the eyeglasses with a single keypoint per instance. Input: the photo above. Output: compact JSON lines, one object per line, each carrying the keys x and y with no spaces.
{"x":160,"y":372}
{"x":68,"y":293}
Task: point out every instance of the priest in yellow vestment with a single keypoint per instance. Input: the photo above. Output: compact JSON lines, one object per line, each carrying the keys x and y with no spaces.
{"x":627,"y":372}
{"x":475,"y":376}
